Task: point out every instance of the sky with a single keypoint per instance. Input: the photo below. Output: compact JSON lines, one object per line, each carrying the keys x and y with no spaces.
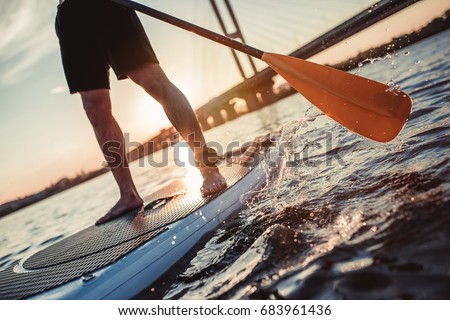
{"x":44,"y":133}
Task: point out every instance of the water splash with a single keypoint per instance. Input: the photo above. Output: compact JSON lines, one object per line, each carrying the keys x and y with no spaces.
{"x":393,"y":87}
{"x":371,"y":61}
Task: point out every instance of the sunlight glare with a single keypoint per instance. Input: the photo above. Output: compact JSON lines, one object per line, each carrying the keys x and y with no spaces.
{"x":184,"y":157}
{"x":148,"y":118}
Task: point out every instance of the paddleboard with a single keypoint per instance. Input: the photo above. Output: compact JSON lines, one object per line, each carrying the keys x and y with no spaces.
{"x":121,"y":258}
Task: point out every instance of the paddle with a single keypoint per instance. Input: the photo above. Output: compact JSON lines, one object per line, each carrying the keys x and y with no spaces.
{"x":369,"y":108}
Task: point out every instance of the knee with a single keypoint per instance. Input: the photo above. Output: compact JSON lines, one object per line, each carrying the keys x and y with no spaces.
{"x":97,"y":105}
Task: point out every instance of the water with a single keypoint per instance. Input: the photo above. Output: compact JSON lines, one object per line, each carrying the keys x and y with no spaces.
{"x":342,"y":216}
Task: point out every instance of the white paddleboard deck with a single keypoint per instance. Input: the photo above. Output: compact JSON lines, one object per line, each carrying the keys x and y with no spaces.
{"x":125,"y":256}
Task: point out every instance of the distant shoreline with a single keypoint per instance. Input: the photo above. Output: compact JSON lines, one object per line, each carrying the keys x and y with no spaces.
{"x":436,"y":26}
{"x":62,"y":185}
{"x":170,"y":136}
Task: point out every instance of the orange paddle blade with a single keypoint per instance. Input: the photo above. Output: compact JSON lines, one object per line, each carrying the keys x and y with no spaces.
{"x":369,"y":108}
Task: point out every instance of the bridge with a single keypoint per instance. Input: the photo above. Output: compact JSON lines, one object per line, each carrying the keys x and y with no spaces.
{"x":258,"y":91}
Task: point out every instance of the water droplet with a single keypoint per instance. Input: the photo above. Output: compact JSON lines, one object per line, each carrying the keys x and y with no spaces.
{"x":88,"y":277}
{"x":392,"y":87}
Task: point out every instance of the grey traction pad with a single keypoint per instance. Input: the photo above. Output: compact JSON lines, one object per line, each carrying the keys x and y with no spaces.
{"x":98,"y":246}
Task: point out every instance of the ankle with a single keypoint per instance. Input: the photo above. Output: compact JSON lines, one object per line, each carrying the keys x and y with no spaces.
{"x":130,"y":195}
{"x":206,"y":171}
{"x":206,"y":158}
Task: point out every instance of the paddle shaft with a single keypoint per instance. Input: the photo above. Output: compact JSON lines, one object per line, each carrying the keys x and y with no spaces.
{"x":192,"y":28}
{"x":364,"y":106}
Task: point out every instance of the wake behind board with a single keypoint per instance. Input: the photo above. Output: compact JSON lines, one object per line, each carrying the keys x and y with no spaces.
{"x":119,"y":259}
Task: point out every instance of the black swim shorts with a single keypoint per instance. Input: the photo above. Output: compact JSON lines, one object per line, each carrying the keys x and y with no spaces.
{"x":95,"y":35}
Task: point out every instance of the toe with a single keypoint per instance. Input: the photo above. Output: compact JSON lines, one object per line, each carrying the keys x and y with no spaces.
{"x":113,"y":214}
{"x":107,"y":217}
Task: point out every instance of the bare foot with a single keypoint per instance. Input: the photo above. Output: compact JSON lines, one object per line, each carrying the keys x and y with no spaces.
{"x":248,"y":157}
{"x":124,"y":205}
{"x":213,"y":181}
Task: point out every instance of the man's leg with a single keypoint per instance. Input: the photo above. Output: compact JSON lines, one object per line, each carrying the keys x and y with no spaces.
{"x":97,"y":104}
{"x":154,"y":81}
